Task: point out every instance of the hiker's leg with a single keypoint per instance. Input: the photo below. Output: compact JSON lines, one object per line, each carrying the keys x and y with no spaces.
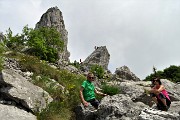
{"x":154,"y":97}
{"x":163,"y":99}
{"x":95,"y":103}
{"x":155,"y":100}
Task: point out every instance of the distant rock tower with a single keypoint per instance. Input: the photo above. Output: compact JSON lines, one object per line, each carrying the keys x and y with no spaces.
{"x":100,"y":56}
{"x":53,"y":18}
{"x":1,"y":37}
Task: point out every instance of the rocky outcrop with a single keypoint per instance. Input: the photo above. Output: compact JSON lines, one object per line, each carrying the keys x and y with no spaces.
{"x":53,"y":18}
{"x":134,"y":103}
{"x":152,"y":114}
{"x":8,"y":112}
{"x":125,"y":73}
{"x":100,"y":56}
{"x":15,"y":87}
{"x":173,"y":89}
{"x":119,"y":107}
{"x":1,"y":37}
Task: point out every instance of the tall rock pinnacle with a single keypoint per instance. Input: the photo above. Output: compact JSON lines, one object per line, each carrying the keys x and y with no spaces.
{"x":53,"y":18}
{"x":100,"y":56}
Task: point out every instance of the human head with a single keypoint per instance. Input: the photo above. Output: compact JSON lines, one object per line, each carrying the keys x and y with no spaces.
{"x":157,"y":80}
{"x":90,"y":76}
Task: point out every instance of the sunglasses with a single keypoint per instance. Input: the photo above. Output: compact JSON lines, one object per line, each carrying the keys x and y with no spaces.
{"x":91,"y":77}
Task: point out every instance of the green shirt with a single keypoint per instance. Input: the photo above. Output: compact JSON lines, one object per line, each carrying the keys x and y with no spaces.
{"x":88,"y":91}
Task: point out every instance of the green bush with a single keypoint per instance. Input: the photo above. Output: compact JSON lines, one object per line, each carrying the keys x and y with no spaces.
{"x":97,"y":70}
{"x":110,"y":89}
{"x":1,"y":55}
{"x":44,"y":42}
{"x":171,"y":73}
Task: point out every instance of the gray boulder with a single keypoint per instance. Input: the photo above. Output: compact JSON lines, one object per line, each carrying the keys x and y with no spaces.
{"x":119,"y":107}
{"x":125,"y":73}
{"x":85,"y":113}
{"x":13,"y":113}
{"x":172,"y":88}
{"x":17,"y":88}
{"x":153,"y":114}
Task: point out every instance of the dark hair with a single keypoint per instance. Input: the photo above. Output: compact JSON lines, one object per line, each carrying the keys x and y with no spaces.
{"x":158,"y":80}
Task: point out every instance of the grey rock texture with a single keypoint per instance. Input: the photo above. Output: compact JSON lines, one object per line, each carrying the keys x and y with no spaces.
{"x":99,"y":56}
{"x":173,"y":89}
{"x":152,"y":114}
{"x":1,"y":37}
{"x":118,"y":107}
{"x":17,"y":88}
{"x":85,"y":113}
{"x":125,"y":73}
{"x":13,"y":113}
{"x":54,"y":18}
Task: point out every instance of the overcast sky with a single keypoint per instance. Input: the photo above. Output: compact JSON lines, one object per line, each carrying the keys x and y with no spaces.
{"x":137,"y":33}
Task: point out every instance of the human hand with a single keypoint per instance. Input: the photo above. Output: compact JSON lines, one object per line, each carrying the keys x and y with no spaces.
{"x":85,"y":103}
{"x":146,"y":91}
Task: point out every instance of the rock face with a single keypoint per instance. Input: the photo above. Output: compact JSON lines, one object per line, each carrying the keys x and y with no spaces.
{"x":14,"y":113}
{"x":100,"y":56}
{"x":53,"y":18}
{"x":134,"y":104}
{"x":1,"y":37}
{"x":15,"y":87}
{"x":152,"y":114}
{"x":125,"y":73}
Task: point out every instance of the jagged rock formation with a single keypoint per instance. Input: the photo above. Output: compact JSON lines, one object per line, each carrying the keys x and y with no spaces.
{"x":16,"y":88}
{"x":125,"y":73}
{"x":99,"y":56}
{"x":53,"y":18}
{"x":152,"y":114}
{"x":8,"y":112}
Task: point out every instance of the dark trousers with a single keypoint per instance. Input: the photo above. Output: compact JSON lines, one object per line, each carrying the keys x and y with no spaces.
{"x":160,"y":104}
{"x":94,"y":103}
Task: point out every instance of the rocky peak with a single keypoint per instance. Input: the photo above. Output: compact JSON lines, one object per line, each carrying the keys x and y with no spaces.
{"x":125,"y":73}
{"x":99,"y":56}
{"x":53,"y":18}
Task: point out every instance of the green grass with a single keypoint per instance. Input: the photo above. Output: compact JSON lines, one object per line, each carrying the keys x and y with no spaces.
{"x":63,"y":104}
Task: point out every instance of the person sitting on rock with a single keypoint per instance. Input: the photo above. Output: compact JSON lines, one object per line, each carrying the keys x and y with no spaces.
{"x":160,"y":95}
{"x":87,"y":92}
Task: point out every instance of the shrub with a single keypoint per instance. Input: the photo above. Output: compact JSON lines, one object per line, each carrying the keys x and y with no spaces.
{"x":110,"y":89}
{"x":44,"y":42}
{"x":97,"y":70}
{"x":171,"y":73}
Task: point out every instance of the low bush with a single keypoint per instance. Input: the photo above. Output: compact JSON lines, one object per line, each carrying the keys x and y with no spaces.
{"x":110,"y":89}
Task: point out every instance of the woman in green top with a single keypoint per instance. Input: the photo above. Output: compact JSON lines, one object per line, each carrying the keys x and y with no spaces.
{"x":87,"y":92}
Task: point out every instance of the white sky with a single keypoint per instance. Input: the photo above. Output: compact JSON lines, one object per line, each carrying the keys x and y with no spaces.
{"x":137,"y":33}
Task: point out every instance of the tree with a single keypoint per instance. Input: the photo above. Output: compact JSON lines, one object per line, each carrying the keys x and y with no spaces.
{"x":43,"y":42}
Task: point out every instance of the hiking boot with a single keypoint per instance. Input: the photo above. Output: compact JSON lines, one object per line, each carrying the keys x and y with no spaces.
{"x":165,"y":108}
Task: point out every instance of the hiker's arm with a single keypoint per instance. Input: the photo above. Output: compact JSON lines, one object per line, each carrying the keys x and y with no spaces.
{"x":153,"y":90}
{"x":99,"y":93}
{"x":85,"y":103}
{"x":161,"y":88}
